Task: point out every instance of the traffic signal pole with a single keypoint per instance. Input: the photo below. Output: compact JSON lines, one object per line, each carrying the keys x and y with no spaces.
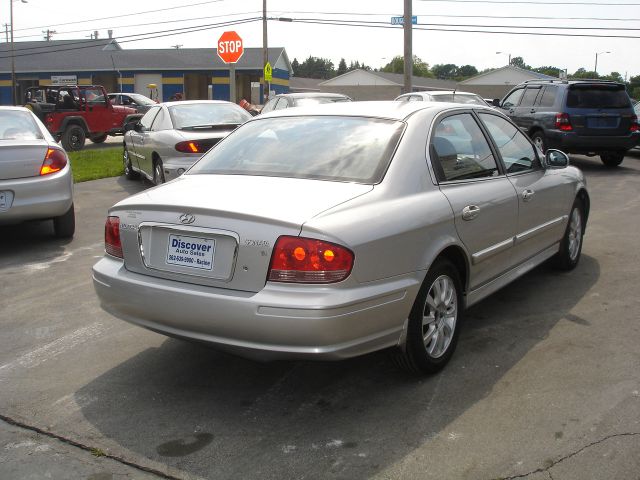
{"x":408,"y":55}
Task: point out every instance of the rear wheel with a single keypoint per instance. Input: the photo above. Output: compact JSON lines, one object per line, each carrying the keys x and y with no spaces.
{"x":158,"y":172}
{"x":612,"y":159}
{"x":129,"y":172}
{"x":99,"y":138}
{"x":434,"y":321}
{"x":538,"y":140}
{"x":571,"y":245}
{"x":64,"y":226}
{"x":73,"y":138}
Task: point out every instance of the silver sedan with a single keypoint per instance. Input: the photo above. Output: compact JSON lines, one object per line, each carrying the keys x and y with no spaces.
{"x":171,"y":136}
{"x":35,"y":173}
{"x":333,"y":231}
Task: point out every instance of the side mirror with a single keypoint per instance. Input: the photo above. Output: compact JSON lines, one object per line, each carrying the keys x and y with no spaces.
{"x":495,"y":102}
{"x":130,"y":126}
{"x":556,"y":159}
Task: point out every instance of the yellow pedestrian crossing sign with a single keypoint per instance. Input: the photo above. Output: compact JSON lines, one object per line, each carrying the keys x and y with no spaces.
{"x":267,"y":72}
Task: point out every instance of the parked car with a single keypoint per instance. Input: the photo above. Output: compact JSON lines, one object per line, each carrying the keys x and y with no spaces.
{"x":451,"y":96}
{"x":171,"y":136}
{"x":133,"y":100}
{"x":73,"y":113}
{"x":35,"y":173}
{"x":288,"y":100}
{"x":590,"y":117}
{"x":274,"y":245}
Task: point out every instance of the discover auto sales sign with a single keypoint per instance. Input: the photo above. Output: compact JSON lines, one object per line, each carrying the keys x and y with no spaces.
{"x":230,"y":47}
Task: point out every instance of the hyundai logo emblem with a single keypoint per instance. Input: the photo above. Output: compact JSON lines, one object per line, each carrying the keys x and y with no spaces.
{"x":187,"y":218}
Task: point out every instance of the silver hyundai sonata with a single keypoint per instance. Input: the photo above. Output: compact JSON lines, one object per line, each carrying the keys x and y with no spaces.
{"x":332,"y":231}
{"x":35,"y":173}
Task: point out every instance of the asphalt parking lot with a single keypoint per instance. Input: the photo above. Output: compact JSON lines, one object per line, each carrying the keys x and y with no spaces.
{"x":544,"y":384}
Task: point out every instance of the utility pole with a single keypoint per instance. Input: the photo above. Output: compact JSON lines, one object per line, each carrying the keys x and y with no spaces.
{"x":265,"y":50}
{"x":176,"y":46}
{"x":408,"y":54}
{"x":48,"y":34}
{"x":13,"y":58}
{"x":6,"y":32}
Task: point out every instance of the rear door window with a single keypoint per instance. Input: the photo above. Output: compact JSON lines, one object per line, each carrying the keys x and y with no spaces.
{"x":548,"y":97}
{"x":597,"y":96}
{"x":459,"y":150}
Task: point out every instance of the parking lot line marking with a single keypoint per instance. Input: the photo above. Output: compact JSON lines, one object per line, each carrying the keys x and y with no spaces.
{"x":54,"y":349}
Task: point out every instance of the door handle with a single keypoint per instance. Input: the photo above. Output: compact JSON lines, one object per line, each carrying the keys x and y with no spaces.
{"x":527,"y":195}
{"x":470,"y":212}
{"x":533,"y":110}
{"x":511,"y":111}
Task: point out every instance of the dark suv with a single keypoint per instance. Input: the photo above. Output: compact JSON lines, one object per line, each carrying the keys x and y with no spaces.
{"x":590,"y":117}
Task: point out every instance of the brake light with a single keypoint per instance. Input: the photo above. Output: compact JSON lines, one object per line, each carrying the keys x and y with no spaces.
{"x":634,"y":127}
{"x":191,"y":146}
{"x":48,"y":119}
{"x":306,"y":260}
{"x":112,"y":244}
{"x":54,"y":161}
{"x":562,"y":122}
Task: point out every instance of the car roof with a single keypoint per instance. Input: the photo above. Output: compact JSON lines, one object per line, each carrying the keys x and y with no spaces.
{"x":312,"y":95}
{"x":376,"y":109}
{"x":194,"y":102}
{"x":10,"y":107}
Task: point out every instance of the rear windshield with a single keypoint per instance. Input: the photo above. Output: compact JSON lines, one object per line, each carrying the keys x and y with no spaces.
{"x":316,"y":100}
{"x":18,"y":125}
{"x":347,"y":149}
{"x":459,"y":98}
{"x":597,"y":96}
{"x":207,"y":114}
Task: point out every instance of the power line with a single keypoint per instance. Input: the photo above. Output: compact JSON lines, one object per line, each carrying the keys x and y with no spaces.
{"x":151,"y":35}
{"x":538,"y":3}
{"x":119,"y":16}
{"x":149,"y":23}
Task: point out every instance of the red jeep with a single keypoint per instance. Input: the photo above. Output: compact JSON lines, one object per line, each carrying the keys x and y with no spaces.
{"x":72,"y":113}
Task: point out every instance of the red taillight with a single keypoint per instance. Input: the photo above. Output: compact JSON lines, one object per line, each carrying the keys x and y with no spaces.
{"x":306,"y":260}
{"x":634,"y":127}
{"x":112,"y":244}
{"x":54,"y":161}
{"x":562,"y":122}
{"x":191,"y":146}
{"x":48,"y":119}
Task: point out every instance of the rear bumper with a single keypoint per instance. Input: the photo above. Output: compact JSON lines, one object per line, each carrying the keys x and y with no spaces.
{"x":176,"y":166}
{"x":279,"y":322}
{"x":570,"y":142}
{"x":37,"y":198}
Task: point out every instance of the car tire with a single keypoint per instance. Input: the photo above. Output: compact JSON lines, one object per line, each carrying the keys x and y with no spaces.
{"x":571,"y":245}
{"x":64,"y":226}
{"x":36,"y":109}
{"x":99,"y":138}
{"x":158,"y":172}
{"x":539,"y":141}
{"x":434,"y":321}
{"x":73,"y":138}
{"x":612,"y":159}
{"x":129,"y":172}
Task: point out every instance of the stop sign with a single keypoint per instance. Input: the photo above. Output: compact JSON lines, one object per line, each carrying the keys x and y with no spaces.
{"x":230,"y":47}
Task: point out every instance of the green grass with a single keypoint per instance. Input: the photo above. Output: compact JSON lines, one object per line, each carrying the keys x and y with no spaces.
{"x":94,"y":164}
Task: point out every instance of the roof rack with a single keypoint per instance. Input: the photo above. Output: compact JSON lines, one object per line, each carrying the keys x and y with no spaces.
{"x":544,"y":80}
{"x":594,"y":80}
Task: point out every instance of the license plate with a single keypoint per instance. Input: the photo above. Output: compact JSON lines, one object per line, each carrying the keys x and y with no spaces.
{"x":602,"y":122}
{"x":192,"y":252}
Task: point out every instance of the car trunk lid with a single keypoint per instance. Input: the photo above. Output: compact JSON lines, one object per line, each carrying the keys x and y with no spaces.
{"x":21,"y":159}
{"x":219,"y":230}
{"x":599,"y":109}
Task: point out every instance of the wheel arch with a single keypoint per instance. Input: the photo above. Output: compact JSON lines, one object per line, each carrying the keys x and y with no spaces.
{"x":586,"y":203}
{"x":79,"y":121}
{"x":457,"y":256}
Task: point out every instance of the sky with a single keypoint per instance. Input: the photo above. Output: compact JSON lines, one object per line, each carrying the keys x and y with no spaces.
{"x":373,"y":46}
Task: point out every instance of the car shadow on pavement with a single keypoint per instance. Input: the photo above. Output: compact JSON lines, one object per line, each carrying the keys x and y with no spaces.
{"x":34,"y":240}
{"x":592,"y":166}
{"x":206,"y":413}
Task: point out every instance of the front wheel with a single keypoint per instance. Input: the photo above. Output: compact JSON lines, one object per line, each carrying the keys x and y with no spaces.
{"x":571,"y":245}
{"x":612,"y":160}
{"x":129,"y":172}
{"x":434,"y":321}
{"x":73,"y":138}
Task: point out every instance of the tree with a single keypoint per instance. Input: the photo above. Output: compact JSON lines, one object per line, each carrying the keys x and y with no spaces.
{"x":582,"y":73}
{"x":446,"y":71}
{"x":314,"y":67}
{"x":551,"y":71}
{"x":466,"y":71}
{"x":420,"y":68}
{"x":342,"y":67}
{"x":613,"y":76}
{"x":357,"y":66}
{"x":295,"y":66}
{"x":519,"y":62}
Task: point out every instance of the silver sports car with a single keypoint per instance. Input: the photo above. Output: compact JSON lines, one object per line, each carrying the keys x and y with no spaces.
{"x":35,"y":173}
{"x":171,"y":136}
{"x":336,"y":230}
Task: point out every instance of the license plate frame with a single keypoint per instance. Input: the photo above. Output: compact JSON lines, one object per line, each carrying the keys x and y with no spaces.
{"x":190,"y":252}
